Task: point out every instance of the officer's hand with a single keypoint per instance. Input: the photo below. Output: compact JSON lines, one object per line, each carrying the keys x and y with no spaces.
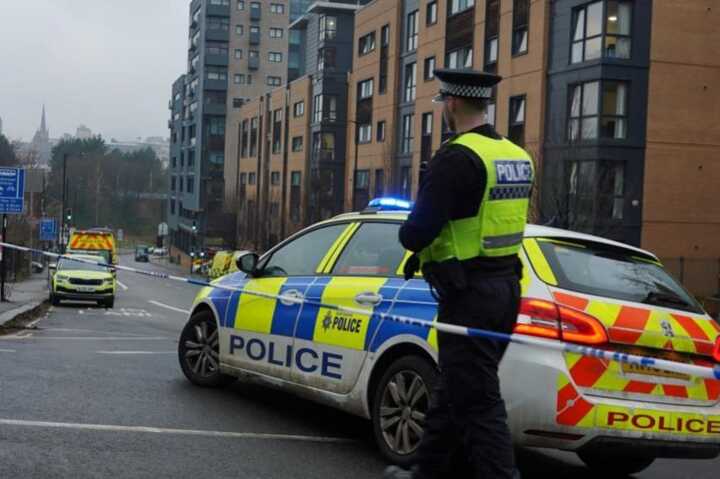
{"x":412,"y":266}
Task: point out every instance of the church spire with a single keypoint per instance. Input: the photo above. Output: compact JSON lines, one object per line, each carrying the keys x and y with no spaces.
{"x":43,"y":127}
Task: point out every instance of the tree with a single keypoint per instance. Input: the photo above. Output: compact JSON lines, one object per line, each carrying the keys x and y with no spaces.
{"x":8,"y":156}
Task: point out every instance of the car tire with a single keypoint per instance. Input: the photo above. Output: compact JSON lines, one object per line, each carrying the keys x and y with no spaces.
{"x":615,"y":465}
{"x":109,"y":303}
{"x":400,"y":405}
{"x":198,"y":352}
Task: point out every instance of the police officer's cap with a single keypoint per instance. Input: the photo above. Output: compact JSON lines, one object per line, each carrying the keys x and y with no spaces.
{"x":465,"y":83}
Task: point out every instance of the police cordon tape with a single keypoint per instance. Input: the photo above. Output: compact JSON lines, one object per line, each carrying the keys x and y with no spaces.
{"x":289,"y":299}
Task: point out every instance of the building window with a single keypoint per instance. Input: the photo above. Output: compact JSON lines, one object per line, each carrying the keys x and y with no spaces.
{"x":297,"y":143}
{"x":253,"y":54}
{"x":253,"y":135}
{"x":365,"y":89}
{"x":215,"y":75}
{"x":521,"y":21}
{"x":216,"y":126}
{"x":410,"y":81}
{"x":405,"y":182}
{"x":366,"y":44}
{"x":172,"y":207}
{"x":277,"y":8}
{"x":251,"y":178}
{"x":244,"y":141}
{"x":243,"y":178}
{"x":276,"y":33}
{"x":238,"y":53}
{"x":429,"y":69}
{"x":385,"y":36}
{"x":295,"y":185}
{"x":330,"y":108}
{"x":275,"y":57}
{"x":190,"y":184}
{"x":412,"y":31}
{"x":326,"y":58}
{"x":596,"y":33}
{"x":380,"y":132}
{"x":384,"y":49}
{"x":328,"y":27}
{"x":274,"y":81}
{"x":255,"y":30}
{"x":426,"y":137}
{"x":298,"y":109}
{"x":317,"y":108}
{"x":218,"y":23}
{"x":324,"y":146}
{"x":516,"y":128}
{"x":214,"y":49}
{"x":457,"y":6}
{"x":596,"y":191}
{"x":172,"y":183}
{"x":460,"y":58}
{"x":277,"y":131}
{"x":241,"y":4}
{"x":238,"y":102}
{"x":365,"y":133}
{"x":407,"y":133}
{"x":492,"y":30}
{"x":598,"y":110}
{"x":427,"y":124}
{"x":379,"y":183}
{"x":275,"y":178}
{"x":239,"y":79}
{"x":490,"y":112}
{"x":239,"y":30}
{"x":431,"y":10}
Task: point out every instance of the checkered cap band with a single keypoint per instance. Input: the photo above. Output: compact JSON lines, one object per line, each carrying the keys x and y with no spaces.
{"x":513,"y":192}
{"x":466,"y":91}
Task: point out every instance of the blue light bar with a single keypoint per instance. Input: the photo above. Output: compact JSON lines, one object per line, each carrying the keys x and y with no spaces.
{"x":390,"y":204}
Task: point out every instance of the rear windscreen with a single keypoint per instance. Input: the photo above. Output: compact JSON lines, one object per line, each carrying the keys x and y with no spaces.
{"x":614,"y":273}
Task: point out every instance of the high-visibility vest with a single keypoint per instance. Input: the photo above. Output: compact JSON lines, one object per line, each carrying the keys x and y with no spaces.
{"x":498,"y":226}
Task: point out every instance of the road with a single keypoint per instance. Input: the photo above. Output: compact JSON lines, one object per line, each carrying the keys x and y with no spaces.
{"x":99,"y":393}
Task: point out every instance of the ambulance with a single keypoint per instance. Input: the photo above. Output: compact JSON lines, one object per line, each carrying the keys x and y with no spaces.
{"x":99,"y":242}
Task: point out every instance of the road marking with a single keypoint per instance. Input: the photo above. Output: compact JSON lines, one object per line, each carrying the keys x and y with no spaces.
{"x":73,"y":330}
{"x":136,"y":352}
{"x":92,"y":338}
{"x":7,"y":351}
{"x":185,"y":432}
{"x":173,"y":308}
{"x":125,"y":288}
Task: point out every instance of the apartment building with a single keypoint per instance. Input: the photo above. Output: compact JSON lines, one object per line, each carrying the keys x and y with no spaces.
{"x":291,"y":142}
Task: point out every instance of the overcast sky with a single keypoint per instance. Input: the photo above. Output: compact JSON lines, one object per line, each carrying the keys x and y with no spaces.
{"x":107,"y":64}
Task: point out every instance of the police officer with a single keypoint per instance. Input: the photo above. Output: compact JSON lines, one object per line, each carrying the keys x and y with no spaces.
{"x":466,"y":229}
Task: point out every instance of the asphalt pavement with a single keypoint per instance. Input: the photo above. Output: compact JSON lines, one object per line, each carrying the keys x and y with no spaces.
{"x":99,"y":393}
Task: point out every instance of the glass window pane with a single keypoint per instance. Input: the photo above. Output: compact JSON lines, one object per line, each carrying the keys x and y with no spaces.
{"x":617,"y":47}
{"x":573,"y":129}
{"x":303,"y":255}
{"x":579,"y":27}
{"x":614,"y":128}
{"x":369,"y":253}
{"x":619,"y":16}
{"x":614,"y":98}
{"x":589,"y":128}
{"x":594,"y":19}
{"x":575,"y":102}
{"x":576,"y":55}
{"x":590,"y":98}
{"x":593,"y":48}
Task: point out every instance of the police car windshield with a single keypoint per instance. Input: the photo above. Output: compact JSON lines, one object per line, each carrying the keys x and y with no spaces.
{"x":615,"y":273}
{"x":69,"y":265}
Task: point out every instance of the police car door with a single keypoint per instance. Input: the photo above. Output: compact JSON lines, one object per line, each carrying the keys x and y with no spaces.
{"x":259,"y":330}
{"x":362,"y":277}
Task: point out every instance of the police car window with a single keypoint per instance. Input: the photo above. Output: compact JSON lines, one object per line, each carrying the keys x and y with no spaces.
{"x":615,"y":273}
{"x":301,"y":256}
{"x":374,"y":250}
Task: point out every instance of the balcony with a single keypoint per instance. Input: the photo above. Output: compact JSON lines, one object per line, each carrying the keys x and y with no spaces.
{"x":216,"y":60}
{"x":254,"y":38}
{"x":214,"y":109}
{"x":255,"y":13}
{"x":215,"y":85}
{"x":217,"y":35}
{"x":254,"y":63}
{"x":218,"y":10}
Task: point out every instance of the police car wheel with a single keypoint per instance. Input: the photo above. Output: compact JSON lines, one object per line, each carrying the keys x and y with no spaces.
{"x":198,"y":351}
{"x":401,"y":401}
{"x":615,"y":465}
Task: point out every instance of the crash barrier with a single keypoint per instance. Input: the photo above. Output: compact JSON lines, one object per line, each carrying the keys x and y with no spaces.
{"x":290,"y":299}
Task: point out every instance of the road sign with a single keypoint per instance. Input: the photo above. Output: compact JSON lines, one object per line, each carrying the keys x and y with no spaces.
{"x":12,"y":189}
{"x":120,"y":235}
{"x":48,"y":229}
{"x":162,"y":229}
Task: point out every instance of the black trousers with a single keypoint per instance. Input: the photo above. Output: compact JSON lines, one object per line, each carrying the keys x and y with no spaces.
{"x":466,"y":432}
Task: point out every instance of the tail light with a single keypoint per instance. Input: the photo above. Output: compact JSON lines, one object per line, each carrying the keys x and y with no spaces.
{"x":554,"y":321}
{"x":716,"y":351}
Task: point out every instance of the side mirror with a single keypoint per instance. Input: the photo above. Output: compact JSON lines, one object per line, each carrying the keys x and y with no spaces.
{"x":247,"y":261}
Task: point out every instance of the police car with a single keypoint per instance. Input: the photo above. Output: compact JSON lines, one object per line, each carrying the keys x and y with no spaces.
{"x":576,"y":287}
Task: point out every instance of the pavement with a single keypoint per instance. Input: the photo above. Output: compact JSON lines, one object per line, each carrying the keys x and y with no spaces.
{"x":25,"y":296}
{"x":98,"y":393}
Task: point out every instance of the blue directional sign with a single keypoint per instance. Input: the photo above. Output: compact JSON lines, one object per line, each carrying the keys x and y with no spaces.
{"x":48,"y":229}
{"x":12,"y":190}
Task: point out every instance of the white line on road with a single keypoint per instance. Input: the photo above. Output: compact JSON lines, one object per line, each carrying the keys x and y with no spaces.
{"x":119,"y":333}
{"x":7,"y":351}
{"x":173,"y":308}
{"x":125,"y":288}
{"x":93,"y":338}
{"x":136,"y":352}
{"x":186,"y":432}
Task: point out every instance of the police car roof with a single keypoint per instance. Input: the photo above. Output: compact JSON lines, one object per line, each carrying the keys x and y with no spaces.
{"x":531,"y":230}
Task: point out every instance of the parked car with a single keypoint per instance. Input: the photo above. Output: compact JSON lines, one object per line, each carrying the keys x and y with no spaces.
{"x":142,"y":254}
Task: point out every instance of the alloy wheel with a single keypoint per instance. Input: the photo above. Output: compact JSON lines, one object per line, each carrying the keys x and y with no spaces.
{"x":404,"y":405}
{"x":201,"y":350}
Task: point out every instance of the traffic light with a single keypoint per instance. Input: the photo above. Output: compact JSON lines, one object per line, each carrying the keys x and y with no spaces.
{"x":194,"y":227}
{"x":68,"y":214}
